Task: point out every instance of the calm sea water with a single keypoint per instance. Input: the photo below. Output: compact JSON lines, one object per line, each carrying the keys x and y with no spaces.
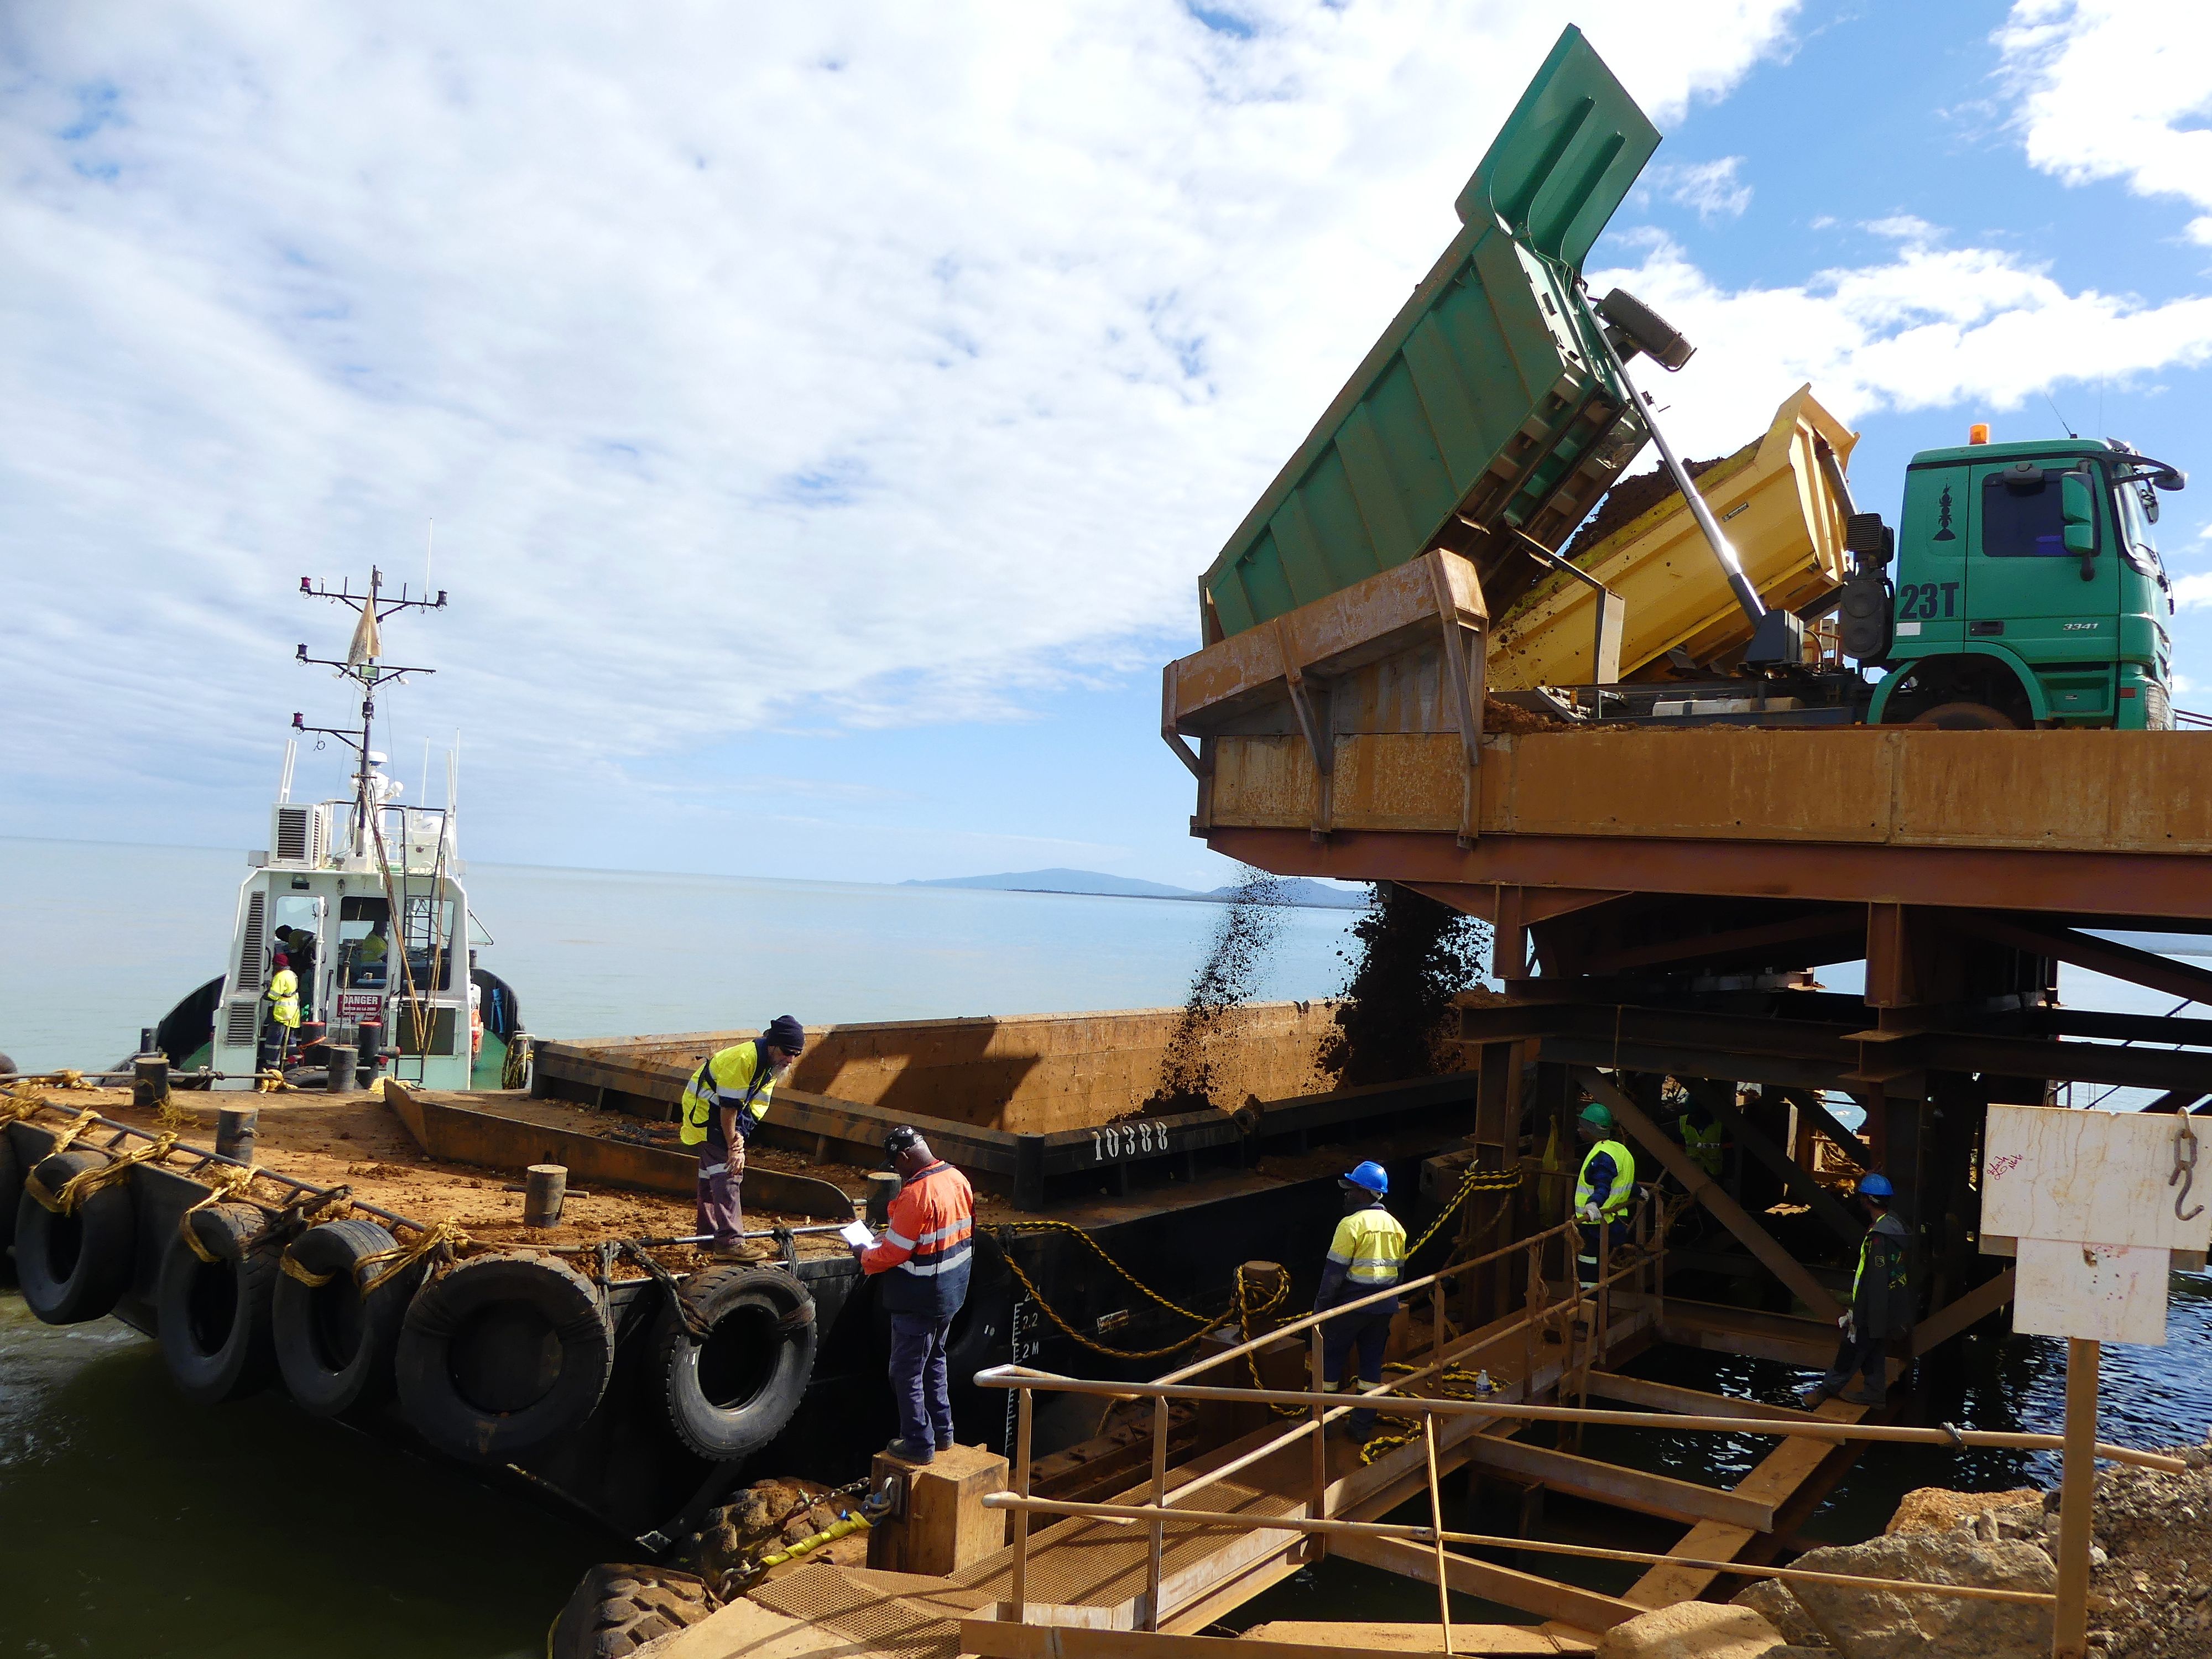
{"x":133,"y":1526}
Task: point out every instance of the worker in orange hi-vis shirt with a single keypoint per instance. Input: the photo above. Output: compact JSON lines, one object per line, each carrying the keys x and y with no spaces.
{"x":926,"y":1251}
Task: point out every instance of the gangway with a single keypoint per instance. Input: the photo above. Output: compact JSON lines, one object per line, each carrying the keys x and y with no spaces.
{"x":1143,"y":1574}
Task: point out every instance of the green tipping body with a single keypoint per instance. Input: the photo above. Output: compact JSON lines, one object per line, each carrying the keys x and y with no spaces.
{"x":1489,"y":404}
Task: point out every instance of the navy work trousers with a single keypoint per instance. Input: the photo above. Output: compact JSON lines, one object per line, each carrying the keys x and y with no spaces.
{"x":721,"y":1207}
{"x":1369,"y":1330}
{"x":920,"y":1386}
{"x":1859,"y":1355}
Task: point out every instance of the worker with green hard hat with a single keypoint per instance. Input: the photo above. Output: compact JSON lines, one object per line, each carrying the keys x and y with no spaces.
{"x":1880,"y":1305}
{"x":1366,"y":1255}
{"x":1603,"y":1190}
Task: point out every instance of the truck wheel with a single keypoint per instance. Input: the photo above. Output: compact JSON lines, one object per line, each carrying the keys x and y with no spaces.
{"x":620,"y":1608}
{"x":1965,"y":717}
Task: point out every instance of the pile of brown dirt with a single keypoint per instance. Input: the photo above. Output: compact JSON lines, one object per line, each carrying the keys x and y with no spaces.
{"x":1398,"y":1019}
{"x":357,"y":1141}
{"x":1629,"y":499}
{"x":1243,"y":937}
{"x":1510,"y":719}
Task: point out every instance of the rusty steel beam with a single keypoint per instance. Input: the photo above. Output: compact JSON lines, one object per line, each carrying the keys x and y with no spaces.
{"x":2155,"y":890}
{"x":1839,"y":926}
{"x":2098,"y":956}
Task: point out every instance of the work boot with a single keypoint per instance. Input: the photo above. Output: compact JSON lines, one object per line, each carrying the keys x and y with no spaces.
{"x":1813,"y":1399}
{"x":1864,"y":1396}
{"x":911,"y":1451}
{"x":743,"y":1250}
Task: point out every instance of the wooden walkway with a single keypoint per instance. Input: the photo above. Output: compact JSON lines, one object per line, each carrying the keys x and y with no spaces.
{"x":1089,"y":1574}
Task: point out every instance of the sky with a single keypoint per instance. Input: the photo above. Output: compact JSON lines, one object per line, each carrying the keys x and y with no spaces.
{"x":819,"y":416}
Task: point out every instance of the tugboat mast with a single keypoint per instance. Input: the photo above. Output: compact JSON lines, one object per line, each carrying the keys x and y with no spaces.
{"x":362,"y":663}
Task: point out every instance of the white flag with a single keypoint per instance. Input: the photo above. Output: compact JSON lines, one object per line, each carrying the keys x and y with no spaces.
{"x":366,"y":646}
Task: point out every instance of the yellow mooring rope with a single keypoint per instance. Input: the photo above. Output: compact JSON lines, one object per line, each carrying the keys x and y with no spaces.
{"x":85,"y":1182}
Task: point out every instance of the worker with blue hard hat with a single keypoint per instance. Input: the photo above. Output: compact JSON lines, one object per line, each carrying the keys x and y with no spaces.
{"x":1881,"y":1304}
{"x":1367,"y":1254}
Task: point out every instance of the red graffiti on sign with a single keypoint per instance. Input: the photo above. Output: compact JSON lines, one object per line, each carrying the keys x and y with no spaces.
{"x":2005,"y":1165}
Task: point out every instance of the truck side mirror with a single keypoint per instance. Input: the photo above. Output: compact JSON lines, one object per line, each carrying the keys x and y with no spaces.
{"x":2076,"y":507}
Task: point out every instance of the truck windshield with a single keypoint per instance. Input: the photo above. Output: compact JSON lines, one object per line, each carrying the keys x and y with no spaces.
{"x":2135,"y":540}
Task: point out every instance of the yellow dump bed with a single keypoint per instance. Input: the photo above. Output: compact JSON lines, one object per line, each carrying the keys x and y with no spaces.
{"x":1778,"y":510}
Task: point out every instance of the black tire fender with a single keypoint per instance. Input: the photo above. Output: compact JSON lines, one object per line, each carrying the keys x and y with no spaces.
{"x":502,"y":1353}
{"x":74,"y":1267}
{"x":334,"y":1345}
{"x":214,"y":1316}
{"x":11,"y":1193}
{"x":731,"y":1394}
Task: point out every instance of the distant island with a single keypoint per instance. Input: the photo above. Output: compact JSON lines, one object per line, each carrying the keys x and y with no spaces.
{"x":1295,"y":890}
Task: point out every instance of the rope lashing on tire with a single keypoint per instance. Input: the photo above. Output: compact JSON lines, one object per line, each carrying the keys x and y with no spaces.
{"x":225,"y":1182}
{"x":85,"y":1182}
{"x":697,"y":1329}
{"x":387,"y":1264}
{"x":444,"y":1236}
{"x":19,"y":1103}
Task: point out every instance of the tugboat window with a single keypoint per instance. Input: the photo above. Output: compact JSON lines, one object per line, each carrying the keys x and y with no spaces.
{"x":364,"y":942}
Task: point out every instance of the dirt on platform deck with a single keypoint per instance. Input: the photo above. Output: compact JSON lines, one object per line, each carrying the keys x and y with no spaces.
{"x":357,"y":1141}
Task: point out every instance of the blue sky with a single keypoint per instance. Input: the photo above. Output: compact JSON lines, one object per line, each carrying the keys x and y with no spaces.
{"x":826,"y":416}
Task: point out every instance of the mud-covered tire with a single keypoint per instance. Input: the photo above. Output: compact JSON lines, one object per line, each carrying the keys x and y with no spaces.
{"x":619,"y":1607}
{"x":74,"y":1267}
{"x":1965,"y":717}
{"x":502,"y":1353}
{"x":730,"y":1394}
{"x":335,"y":1345}
{"x":214,"y":1316}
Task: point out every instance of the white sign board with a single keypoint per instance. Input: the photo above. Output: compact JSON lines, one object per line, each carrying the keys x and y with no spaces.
{"x":2093,"y":1177}
{"x":2091,"y":1200}
{"x":2100,"y":1293}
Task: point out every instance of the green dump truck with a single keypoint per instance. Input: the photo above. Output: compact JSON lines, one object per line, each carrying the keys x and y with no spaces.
{"x":2027,"y":590}
{"x":2022,"y":585}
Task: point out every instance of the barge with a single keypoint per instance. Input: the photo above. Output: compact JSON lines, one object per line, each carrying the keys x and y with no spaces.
{"x":338,"y":1270}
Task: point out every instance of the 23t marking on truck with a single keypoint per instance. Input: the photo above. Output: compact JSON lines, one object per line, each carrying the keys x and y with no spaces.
{"x":1918,"y":600}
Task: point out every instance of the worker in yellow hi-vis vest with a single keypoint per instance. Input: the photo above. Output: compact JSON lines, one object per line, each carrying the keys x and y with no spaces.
{"x":283,"y":1025}
{"x":1604,"y":1189}
{"x":1367,"y":1254}
{"x":723,"y":1105}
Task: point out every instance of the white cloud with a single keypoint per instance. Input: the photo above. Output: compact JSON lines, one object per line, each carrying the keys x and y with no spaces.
{"x":1710,"y":189}
{"x":1930,"y":327}
{"x":759,"y":365}
{"x":2116,"y":89}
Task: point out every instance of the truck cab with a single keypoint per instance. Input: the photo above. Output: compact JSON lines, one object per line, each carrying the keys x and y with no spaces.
{"x":2028,"y":590}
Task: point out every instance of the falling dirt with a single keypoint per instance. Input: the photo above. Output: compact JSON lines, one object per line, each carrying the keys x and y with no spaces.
{"x":1630,"y":499}
{"x":1397,"y":1021}
{"x":1241,"y":939}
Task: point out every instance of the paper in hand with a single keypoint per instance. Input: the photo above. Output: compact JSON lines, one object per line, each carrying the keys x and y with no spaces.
{"x":856,"y":1234}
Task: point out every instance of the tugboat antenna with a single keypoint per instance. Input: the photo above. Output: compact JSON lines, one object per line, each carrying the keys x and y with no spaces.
{"x":363,"y":664}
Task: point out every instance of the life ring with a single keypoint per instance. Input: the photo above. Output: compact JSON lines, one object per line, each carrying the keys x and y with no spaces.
{"x":502,"y":1353}
{"x":75,"y":1267}
{"x":334,"y":1344}
{"x":732,"y":1393}
{"x":214,"y":1316}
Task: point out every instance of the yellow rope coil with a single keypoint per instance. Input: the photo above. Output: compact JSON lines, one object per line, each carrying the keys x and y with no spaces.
{"x":225,"y":1181}
{"x":85,"y":1182}
{"x":19,"y":1101}
{"x":400,"y":1257}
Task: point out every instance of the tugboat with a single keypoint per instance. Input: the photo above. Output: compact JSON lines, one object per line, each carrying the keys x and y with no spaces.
{"x":364,"y":899}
